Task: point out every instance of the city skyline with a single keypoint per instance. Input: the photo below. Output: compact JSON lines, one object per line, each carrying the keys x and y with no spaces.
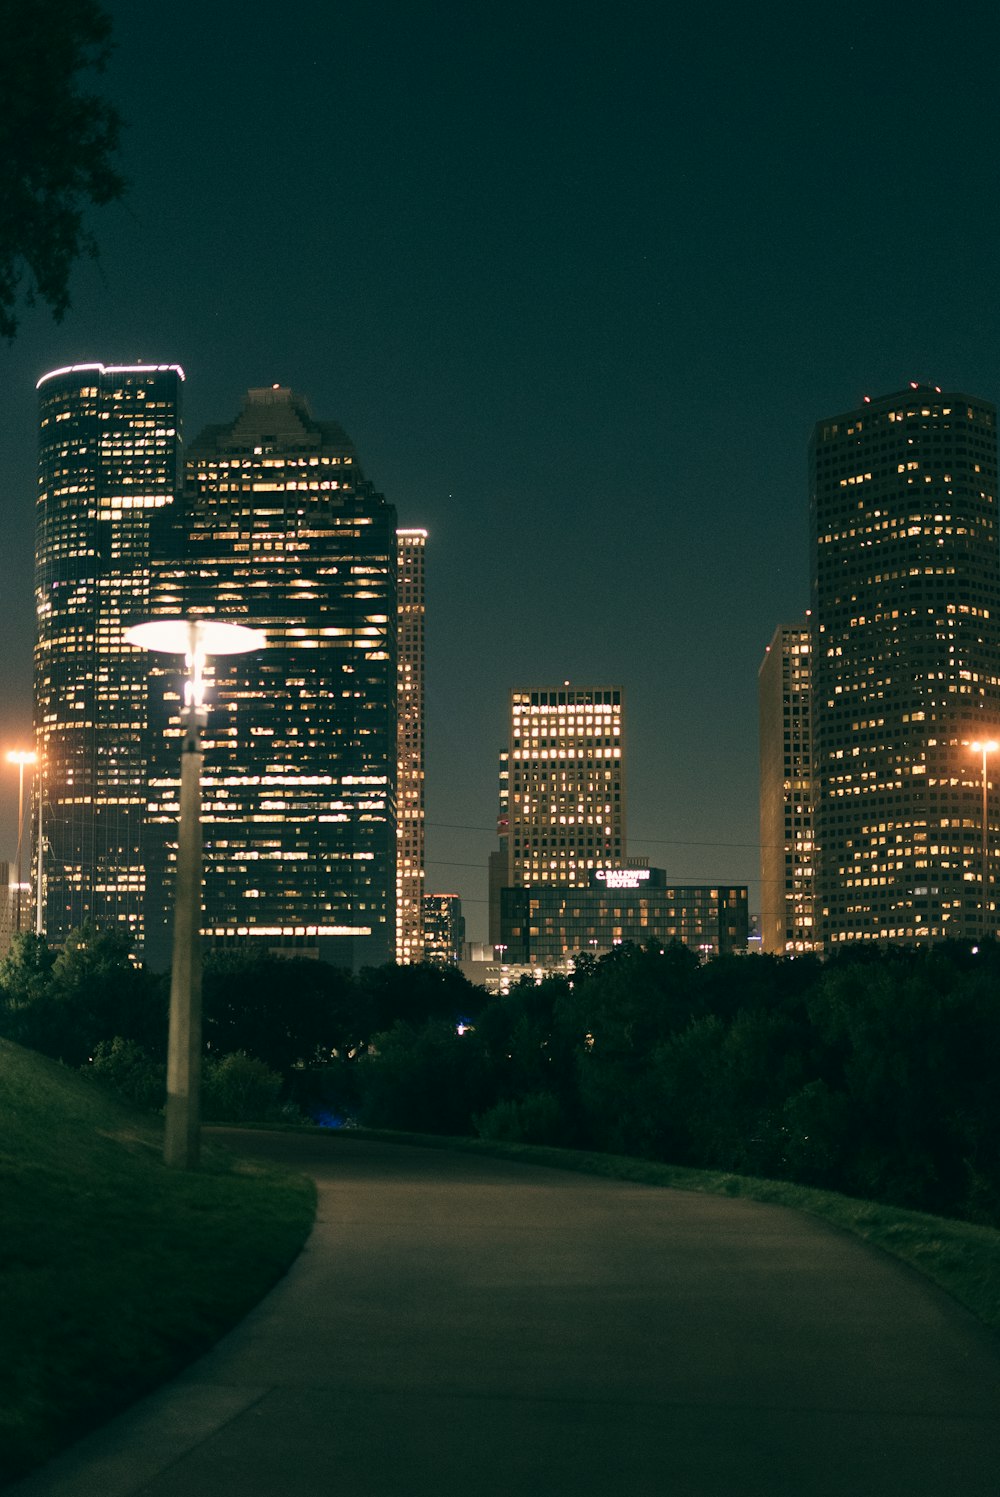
{"x":584,"y":344}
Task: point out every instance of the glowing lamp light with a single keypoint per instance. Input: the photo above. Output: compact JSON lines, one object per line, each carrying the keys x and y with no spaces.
{"x":208,"y":636}
{"x":195,"y":639}
{"x":989,"y":747}
{"x":22,"y":756}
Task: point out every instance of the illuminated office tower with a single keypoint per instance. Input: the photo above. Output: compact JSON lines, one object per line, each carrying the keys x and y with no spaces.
{"x":444,"y":929}
{"x":906,"y":665}
{"x":109,"y":453}
{"x":786,"y":810}
{"x":566,"y":784}
{"x":279,"y":530}
{"x":410,"y":549}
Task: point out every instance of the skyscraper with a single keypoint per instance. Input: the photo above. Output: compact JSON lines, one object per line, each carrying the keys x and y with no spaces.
{"x":906,"y":665}
{"x":786,"y":798}
{"x":411,"y":546}
{"x":280,"y":530}
{"x":444,"y":929}
{"x":566,"y":786}
{"x":109,"y":451}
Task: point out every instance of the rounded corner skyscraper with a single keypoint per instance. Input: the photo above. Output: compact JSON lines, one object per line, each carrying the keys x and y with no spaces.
{"x":108,"y":465}
{"x":906,"y":666}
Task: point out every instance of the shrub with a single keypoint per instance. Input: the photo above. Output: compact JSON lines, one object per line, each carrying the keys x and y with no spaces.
{"x":125,"y":1067}
{"x":238,"y":1089}
{"x":535,"y":1119}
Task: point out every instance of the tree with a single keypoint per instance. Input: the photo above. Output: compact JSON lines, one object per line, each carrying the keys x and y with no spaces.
{"x":57,"y":148}
{"x":279,"y":1010}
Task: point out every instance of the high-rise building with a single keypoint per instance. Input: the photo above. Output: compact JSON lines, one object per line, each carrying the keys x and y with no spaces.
{"x":410,"y":550}
{"x":280,"y":530}
{"x":109,"y":452}
{"x":786,"y":799}
{"x":906,"y":666}
{"x":444,"y":929}
{"x":566,"y":786}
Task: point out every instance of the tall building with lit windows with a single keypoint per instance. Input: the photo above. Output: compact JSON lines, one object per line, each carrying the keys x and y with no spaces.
{"x":566,"y":784}
{"x":906,"y":666}
{"x":280,"y":530}
{"x":786,"y":799}
{"x":410,"y":551}
{"x":108,"y":464}
{"x":444,"y":930}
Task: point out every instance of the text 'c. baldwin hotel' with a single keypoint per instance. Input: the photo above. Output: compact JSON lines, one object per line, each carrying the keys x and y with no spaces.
{"x":880,"y":711}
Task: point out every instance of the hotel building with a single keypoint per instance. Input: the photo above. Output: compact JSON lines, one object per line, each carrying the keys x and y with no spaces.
{"x":547,"y":927}
{"x":280,"y":530}
{"x":906,"y":666}
{"x":108,"y":465}
{"x":786,"y":799}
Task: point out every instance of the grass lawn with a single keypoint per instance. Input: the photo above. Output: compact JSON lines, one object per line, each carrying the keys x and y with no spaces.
{"x":114,"y":1271}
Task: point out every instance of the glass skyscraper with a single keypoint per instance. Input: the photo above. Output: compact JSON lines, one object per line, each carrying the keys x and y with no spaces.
{"x":279,"y":530}
{"x":905,"y":666}
{"x":109,"y":453}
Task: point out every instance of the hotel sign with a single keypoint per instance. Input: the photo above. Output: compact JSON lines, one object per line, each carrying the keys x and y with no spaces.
{"x":622,"y":878}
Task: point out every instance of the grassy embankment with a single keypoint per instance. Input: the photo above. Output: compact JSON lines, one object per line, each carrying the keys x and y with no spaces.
{"x":114,"y":1271}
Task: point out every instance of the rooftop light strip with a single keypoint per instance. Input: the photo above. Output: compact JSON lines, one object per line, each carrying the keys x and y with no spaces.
{"x":111,"y":369}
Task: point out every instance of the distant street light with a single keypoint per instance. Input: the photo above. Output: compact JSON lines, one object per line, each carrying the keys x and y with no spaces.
{"x":988,"y":746}
{"x":195,"y":639}
{"x":20,"y":757}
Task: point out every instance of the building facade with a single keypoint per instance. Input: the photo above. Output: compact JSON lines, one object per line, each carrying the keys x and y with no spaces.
{"x":787,"y":919}
{"x":566,"y":784}
{"x":108,"y":467}
{"x":444,"y":929}
{"x":906,"y":666}
{"x":411,"y":550}
{"x":548,"y":926}
{"x":279,"y":530}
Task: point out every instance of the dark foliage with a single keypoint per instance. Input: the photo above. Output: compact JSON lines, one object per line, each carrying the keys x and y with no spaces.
{"x":58,"y":145}
{"x":64,"y":1005}
{"x":874,"y":1073}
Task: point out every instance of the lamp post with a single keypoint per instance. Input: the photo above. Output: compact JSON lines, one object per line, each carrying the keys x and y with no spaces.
{"x":195,"y":639}
{"x":986,"y":746}
{"x":20,"y":757}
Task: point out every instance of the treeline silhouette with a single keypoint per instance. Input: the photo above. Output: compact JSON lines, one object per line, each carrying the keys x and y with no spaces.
{"x":874,"y":1072}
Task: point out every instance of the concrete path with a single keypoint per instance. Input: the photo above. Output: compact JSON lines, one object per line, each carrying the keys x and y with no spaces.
{"x":471,"y":1327}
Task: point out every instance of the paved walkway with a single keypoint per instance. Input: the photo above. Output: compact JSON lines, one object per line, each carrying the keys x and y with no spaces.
{"x":464,"y":1327}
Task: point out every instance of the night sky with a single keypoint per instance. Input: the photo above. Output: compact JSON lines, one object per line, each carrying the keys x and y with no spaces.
{"x":578,"y":281}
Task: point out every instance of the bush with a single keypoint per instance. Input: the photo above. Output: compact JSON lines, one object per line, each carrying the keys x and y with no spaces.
{"x":535,"y":1119}
{"x":239,"y":1089}
{"x":125,"y":1067}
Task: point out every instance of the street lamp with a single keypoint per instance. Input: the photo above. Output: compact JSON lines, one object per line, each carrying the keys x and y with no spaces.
{"x":195,"y":639}
{"x":20,"y":757}
{"x":987,"y":746}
